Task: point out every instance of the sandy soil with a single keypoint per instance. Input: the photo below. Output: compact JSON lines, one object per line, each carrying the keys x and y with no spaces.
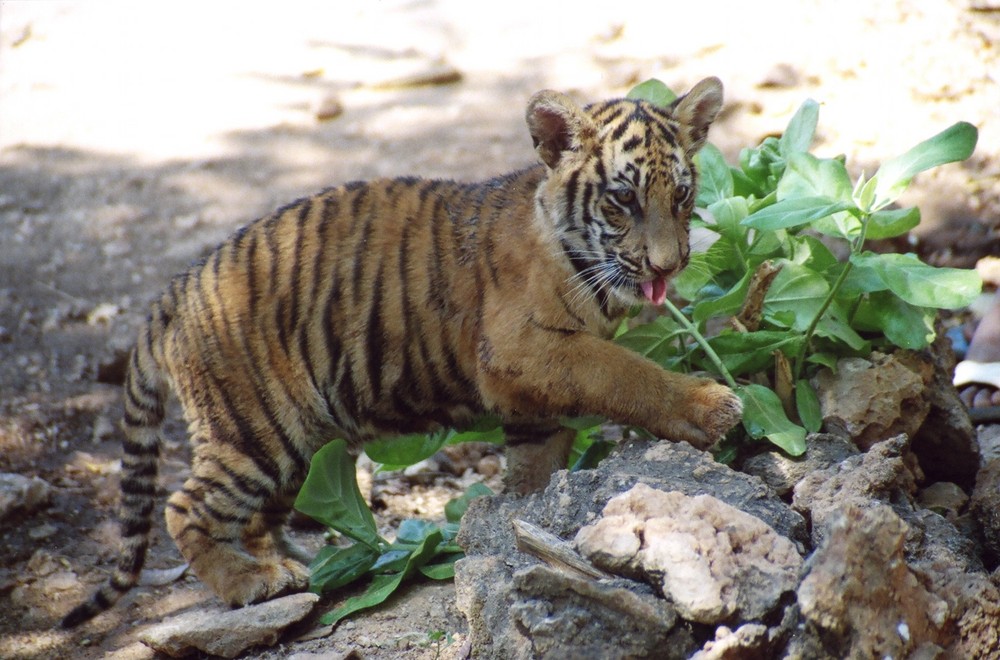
{"x":133,"y":137}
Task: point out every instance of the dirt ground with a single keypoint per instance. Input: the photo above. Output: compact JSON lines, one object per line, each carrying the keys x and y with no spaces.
{"x":134,"y":137}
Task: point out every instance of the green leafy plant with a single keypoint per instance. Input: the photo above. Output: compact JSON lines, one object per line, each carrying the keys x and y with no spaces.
{"x":779,"y":220}
{"x":331,"y":496}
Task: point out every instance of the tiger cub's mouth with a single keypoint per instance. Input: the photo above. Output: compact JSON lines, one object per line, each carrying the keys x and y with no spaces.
{"x":654,"y":290}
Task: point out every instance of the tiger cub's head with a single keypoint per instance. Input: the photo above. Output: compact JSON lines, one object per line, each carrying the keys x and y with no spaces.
{"x":621,"y":186}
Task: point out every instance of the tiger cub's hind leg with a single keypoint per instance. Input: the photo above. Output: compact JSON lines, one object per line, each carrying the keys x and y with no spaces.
{"x":534,"y":452}
{"x":267,"y":536}
{"x":210,"y":518}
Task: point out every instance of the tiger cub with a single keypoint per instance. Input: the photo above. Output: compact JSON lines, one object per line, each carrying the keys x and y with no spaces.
{"x":400,"y":306}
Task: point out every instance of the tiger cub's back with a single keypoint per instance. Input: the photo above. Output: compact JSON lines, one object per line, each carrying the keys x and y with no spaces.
{"x":355,"y":309}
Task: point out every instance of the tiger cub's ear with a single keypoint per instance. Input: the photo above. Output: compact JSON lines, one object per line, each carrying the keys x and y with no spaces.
{"x":556,"y":124}
{"x":696,"y":111}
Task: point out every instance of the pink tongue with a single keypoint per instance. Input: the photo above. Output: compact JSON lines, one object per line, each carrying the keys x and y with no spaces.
{"x":655,"y":290}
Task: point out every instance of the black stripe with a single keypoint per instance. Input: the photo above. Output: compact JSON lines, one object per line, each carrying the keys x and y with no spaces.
{"x":361,"y":251}
{"x":634,"y":142}
{"x":362,"y":192}
{"x":144,"y":488}
{"x":619,"y":131}
{"x":293,"y":319}
{"x":274,"y":255}
{"x":136,"y":527}
{"x":246,"y":484}
{"x":376,"y":336}
{"x":551,"y":328}
{"x":346,"y":393}
{"x":437,"y":283}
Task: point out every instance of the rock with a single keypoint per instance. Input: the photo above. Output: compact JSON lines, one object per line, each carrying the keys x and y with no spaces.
{"x":985,"y":507}
{"x":882,"y":475}
{"x":713,"y":562}
{"x":781,"y":76}
{"x":862,"y":597}
{"x":103,"y":429}
{"x":438,"y":73}
{"x":228,"y":633}
{"x":944,"y":498}
{"x":21,"y":494}
{"x":330,"y":107}
{"x":872,"y":400}
{"x":989,"y":443}
{"x":747,"y":641}
{"x":567,"y":616}
{"x":498,"y":606}
{"x":781,"y":472}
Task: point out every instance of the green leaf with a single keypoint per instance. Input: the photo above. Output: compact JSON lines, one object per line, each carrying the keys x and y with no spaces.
{"x":832,"y":326}
{"x":725,"y":305}
{"x":595,"y":452}
{"x":763,"y":416}
{"x":728,"y":213}
{"x":905,"y":325}
{"x":330,"y":495}
{"x":714,"y":176}
{"x":813,"y":254}
{"x":444,"y":570}
{"x":864,"y":193}
{"x":406,"y":449}
{"x":809,"y":176}
{"x":413,"y":531}
{"x":887,"y":224}
{"x":807,"y":405}
{"x":382,"y":586}
{"x":794,"y":212}
{"x":862,"y":279}
{"x":801,"y":129}
{"x":920,"y":284}
{"x":334,"y":567}
{"x":955,"y":143}
{"x":750,"y":352}
{"x":798,"y":290}
{"x":654,"y":340}
{"x":492,"y":435}
{"x":721,"y":256}
{"x":653,"y":91}
{"x":456,"y":507}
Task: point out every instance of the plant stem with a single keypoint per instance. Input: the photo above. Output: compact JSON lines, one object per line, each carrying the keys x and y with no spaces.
{"x":834,"y":290}
{"x":709,"y":351}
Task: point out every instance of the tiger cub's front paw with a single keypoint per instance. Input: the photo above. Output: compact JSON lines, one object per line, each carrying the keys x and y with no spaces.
{"x":711,"y":409}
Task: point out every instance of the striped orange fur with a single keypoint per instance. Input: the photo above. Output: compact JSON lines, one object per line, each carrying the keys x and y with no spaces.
{"x":399,"y":306}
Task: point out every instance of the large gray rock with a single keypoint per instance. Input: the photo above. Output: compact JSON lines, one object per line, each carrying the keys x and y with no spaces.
{"x":514,"y":613}
{"x":22,"y":494}
{"x":781,"y":472}
{"x":713,"y":562}
{"x":228,"y":633}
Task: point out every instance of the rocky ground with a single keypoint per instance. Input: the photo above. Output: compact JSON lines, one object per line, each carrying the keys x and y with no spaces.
{"x":135,"y":137}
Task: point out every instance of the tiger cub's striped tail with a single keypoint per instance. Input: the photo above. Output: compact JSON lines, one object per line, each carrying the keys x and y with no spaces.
{"x":145,"y":396}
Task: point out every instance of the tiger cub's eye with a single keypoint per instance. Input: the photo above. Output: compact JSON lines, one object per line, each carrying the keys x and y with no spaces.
{"x":624,"y":196}
{"x":682,"y":192}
